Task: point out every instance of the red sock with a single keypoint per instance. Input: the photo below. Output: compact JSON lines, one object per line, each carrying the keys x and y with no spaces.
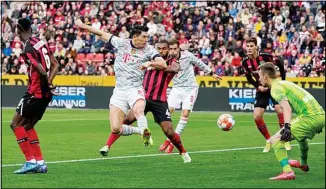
{"x":35,"y":144}
{"x":23,"y":142}
{"x":175,"y":140}
{"x":262,"y":128}
{"x":281,"y":120}
{"x":112,"y":138}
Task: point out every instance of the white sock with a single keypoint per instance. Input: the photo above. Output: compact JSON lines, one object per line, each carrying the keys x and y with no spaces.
{"x":181,"y":125}
{"x":142,"y":123}
{"x":40,"y":162}
{"x":32,"y":161}
{"x":127,"y":130}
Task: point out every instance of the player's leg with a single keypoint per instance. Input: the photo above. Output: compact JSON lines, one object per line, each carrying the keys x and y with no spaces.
{"x":127,"y":128}
{"x":303,"y":128}
{"x":282,"y":157}
{"x":279,"y":112}
{"x":174,"y":101}
{"x":261,"y":102}
{"x":188,"y":101}
{"x":17,"y":125}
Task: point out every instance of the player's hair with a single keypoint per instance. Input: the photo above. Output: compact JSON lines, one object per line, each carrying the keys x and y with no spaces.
{"x":163,"y":41}
{"x":252,"y":40}
{"x":137,"y":30}
{"x":174,"y":41}
{"x":269,"y":69}
{"x":24,"y":24}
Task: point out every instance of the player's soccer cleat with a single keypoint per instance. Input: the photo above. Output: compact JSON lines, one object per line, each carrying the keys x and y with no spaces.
{"x":287,"y":146}
{"x":296,"y":164}
{"x":165,"y":145}
{"x":186,"y":158}
{"x":284,"y":176}
{"x":267,"y":147}
{"x":147,"y":138}
{"x":42,"y":169}
{"x":27,"y":167}
{"x":104,"y":151}
{"x":170,"y":148}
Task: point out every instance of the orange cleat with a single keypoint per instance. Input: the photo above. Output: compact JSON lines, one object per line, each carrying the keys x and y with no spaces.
{"x":296,"y":164}
{"x":284,"y":176}
{"x":169,"y":148}
{"x":164,"y":146}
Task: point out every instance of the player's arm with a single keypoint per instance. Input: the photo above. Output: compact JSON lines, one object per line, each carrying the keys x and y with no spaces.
{"x":173,"y":68}
{"x":278,"y":94}
{"x":248,"y":75}
{"x":105,"y":36}
{"x":54,"y":69}
{"x":31,"y":55}
{"x":196,"y":61}
{"x":280,"y":64}
{"x":159,"y":63}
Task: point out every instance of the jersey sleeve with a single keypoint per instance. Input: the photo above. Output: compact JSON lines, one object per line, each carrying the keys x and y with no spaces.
{"x":197,"y":62}
{"x":278,"y":93}
{"x":117,"y":42}
{"x":151,"y":52}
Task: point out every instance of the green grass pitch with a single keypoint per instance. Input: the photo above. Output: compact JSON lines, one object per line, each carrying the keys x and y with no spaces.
{"x":219,"y":159}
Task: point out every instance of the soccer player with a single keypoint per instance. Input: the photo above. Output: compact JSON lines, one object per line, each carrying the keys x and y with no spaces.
{"x":155,"y":84}
{"x":42,"y":68}
{"x":185,"y":87}
{"x":129,"y":92}
{"x":250,"y":64}
{"x":309,"y":121}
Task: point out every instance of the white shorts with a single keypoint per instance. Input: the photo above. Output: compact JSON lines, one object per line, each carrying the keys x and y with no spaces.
{"x":125,"y":99}
{"x":186,"y":96}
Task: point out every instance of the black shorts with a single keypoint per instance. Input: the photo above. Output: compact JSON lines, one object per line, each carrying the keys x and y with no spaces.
{"x":160,"y":110}
{"x":262,"y":99}
{"x":31,"y":107}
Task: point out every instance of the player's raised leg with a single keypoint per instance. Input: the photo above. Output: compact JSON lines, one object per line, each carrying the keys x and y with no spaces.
{"x":138,"y":109}
{"x":280,"y":115}
{"x":17,"y":125}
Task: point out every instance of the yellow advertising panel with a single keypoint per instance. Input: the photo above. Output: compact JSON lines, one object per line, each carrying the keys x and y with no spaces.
{"x":203,"y":81}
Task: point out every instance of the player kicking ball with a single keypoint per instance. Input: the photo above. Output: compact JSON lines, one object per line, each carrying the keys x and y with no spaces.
{"x":42,"y":68}
{"x":309,"y":121}
{"x":128,"y":92}
{"x":185,"y":88}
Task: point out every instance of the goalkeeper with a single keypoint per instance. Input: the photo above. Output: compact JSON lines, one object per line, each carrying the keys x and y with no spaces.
{"x":309,"y":121}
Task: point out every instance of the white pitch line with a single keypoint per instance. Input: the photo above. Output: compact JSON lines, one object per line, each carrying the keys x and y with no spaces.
{"x":194,"y":120}
{"x":153,"y":155}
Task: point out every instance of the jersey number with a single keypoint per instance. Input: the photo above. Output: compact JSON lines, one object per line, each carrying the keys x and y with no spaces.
{"x":47,"y":58}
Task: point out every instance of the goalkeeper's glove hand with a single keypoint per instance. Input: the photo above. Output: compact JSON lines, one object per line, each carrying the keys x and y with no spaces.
{"x":286,"y":132}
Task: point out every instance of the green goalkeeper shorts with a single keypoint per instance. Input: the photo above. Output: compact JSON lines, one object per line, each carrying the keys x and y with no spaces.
{"x":303,"y":127}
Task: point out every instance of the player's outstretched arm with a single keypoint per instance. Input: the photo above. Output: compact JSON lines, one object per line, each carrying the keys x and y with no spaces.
{"x":158,"y":63}
{"x":287,"y":111}
{"x":105,"y":36}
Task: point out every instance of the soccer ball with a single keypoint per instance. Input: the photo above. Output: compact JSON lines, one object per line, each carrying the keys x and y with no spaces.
{"x":225,"y":122}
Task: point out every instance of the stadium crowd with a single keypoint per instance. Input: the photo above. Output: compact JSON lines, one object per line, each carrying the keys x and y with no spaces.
{"x":216,"y":32}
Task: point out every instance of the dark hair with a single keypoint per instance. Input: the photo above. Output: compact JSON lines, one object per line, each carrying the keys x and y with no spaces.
{"x":138,"y":29}
{"x":252,"y":40}
{"x":268,"y":69}
{"x":24,"y":24}
{"x":174,"y":41}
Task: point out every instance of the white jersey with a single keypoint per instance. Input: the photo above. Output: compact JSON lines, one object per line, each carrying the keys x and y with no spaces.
{"x":186,"y":75}
{"x":128,"y":61}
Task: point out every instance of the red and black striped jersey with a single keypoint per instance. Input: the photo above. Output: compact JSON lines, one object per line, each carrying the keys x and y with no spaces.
{"x":36,"y":52}
{"x":156,"y":83}
{"x":251,"y":67}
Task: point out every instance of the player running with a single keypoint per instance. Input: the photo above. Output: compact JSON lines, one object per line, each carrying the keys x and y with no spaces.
{"x":128,"y":92}
{"x":42,"y":68}
{"x":155,"y":84}
{"x":250,"y":64}
{"x":185,"y":87}
{"x":309,"y":121}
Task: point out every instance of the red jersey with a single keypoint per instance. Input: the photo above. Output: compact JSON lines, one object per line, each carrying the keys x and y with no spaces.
{"x":156,"y":83}
{"x":36,"y":52}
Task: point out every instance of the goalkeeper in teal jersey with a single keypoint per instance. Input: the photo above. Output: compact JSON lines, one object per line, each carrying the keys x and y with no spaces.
{"x":309,"y":121}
